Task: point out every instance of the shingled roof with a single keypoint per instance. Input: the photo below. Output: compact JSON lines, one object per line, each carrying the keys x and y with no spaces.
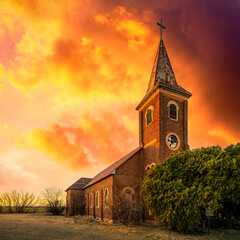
{"x":80,"y":183}
{"x":162,"y":76}
{"x":111,"y":169}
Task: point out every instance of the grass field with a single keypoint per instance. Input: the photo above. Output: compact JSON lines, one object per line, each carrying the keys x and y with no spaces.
{"x":44,"y":226}
{"x":38,"y":209}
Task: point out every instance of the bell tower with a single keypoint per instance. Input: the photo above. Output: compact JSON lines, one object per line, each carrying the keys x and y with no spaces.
{"x":163,"y":112}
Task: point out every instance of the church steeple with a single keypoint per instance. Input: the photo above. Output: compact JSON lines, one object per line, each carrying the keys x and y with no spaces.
{"x":163,"y":112}
{"x":162,"y":71}
{"x":162,"y":76}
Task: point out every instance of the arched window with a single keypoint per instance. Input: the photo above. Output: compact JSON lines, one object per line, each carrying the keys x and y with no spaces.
{"x":149,"y":115}
{"x":173,"y":111}
{"x":97,"y":199}
{"x":149,"y":166}
{"x":106,"y":195}
{"x":152,"y":165}
{"x":90,"y":200}
{"x":86,"y":202}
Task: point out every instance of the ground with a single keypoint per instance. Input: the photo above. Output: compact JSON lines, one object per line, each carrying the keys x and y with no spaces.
{"x":47,"y":227}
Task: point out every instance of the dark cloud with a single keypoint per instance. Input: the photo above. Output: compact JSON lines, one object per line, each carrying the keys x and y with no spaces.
{"x":207,"y":34}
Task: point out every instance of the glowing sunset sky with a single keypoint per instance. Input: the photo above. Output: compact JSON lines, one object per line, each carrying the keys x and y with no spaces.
{"x":72,"y":73}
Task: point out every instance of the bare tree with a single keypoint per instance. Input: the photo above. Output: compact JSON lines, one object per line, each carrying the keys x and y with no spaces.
{"x":7,"y":201}
{"x":1,"y":204}
{"x":23,"y":201}
{"x":125,"y":209}
{"x":54,"y":199}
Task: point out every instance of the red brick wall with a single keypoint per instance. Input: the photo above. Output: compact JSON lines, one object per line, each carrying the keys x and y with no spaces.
{"x":150,"y":155}
{"x":129,"y":174}
{"x":73,"y":197}
{"x":150,"y":132}
{"x":161,"y":126}
{"x":103,"y":211}
{"x":168,"y":125}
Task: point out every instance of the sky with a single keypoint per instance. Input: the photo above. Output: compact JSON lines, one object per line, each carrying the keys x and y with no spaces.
{"x":72,"y":73}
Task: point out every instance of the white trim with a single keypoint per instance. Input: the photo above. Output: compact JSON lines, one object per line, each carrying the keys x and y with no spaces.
{"x":150,"y":143}
{"x":170,"y":102}
{"x":149,"y":166}
{"x":148,"y":100}
{"x":152,"y":165}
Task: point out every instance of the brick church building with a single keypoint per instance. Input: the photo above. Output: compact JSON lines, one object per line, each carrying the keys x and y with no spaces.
{"x":163,"y":129}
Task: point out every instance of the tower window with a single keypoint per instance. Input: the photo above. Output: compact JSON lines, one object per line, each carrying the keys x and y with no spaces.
{"x":173,"y":111}
{"x":149,"y":115}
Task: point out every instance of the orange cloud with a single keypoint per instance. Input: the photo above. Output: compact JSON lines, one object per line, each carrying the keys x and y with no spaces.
{"x":103,"y":139}
{"x":58,"y":143}
{"x":224,"y":135}
{"x":129,"y":26}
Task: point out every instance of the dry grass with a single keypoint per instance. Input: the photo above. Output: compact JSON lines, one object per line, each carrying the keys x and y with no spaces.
{"x":43,"y":226}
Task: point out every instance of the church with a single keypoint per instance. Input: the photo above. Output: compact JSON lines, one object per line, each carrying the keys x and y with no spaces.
{"x":163,"y":130}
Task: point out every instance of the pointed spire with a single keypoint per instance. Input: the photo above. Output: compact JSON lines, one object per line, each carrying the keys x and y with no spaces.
{"x":162,"y":74}
{"x":162,"y":71}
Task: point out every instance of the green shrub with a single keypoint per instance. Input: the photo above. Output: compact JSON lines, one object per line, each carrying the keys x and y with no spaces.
{"x":179,"y":190}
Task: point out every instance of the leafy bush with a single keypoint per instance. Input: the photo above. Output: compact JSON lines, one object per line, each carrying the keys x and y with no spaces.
{"x":179,"y":190}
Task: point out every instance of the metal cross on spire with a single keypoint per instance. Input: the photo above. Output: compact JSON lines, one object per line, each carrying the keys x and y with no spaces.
{"x":161,"y":27}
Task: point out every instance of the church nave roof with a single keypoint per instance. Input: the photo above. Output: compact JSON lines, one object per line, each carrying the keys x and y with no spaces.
{"x":111,"y":169}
